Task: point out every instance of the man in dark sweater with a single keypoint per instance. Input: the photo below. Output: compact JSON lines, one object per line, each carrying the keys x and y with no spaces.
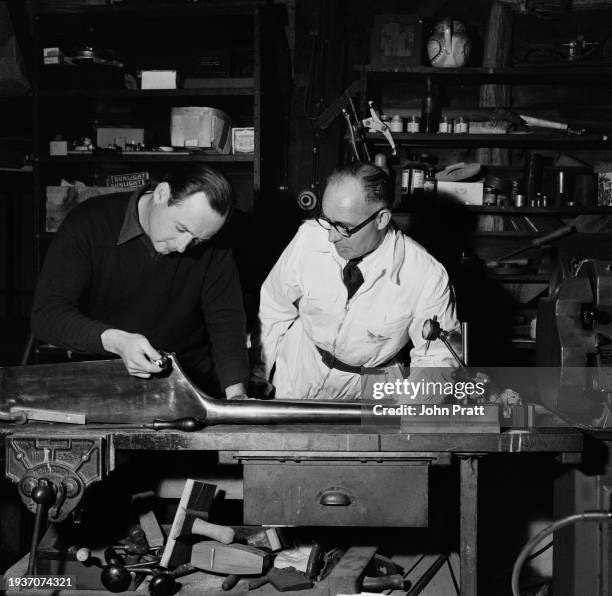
{"x":134,"y":273}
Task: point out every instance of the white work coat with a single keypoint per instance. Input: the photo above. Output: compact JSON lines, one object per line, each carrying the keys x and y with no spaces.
{"x":304,"y":304}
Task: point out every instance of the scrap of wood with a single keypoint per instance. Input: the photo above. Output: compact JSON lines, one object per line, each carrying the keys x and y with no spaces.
{"x":240,"y":559}
{"x":151,"y":528}
{"x":346,"y":576}
{"x":50,"y":415}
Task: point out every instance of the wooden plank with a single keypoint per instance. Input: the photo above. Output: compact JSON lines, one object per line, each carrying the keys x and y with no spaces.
{"x":469,"y":526}
{"x":346,"y":576}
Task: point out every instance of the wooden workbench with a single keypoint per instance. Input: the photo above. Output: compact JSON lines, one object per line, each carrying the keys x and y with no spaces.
{"x":344,"y":442}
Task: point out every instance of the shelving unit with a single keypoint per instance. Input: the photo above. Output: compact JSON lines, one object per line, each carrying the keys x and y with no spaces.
{"x":507,"y":140}
{"x":463,"y":227}
{"x":237,"y":34}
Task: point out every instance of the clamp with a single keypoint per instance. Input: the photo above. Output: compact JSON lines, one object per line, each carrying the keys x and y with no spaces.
{"x":375,"y":123}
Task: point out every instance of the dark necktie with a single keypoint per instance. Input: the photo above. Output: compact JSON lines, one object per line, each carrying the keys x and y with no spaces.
{"x":352,"y":277}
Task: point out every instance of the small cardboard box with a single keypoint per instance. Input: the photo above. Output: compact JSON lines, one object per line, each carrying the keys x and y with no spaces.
{"x":158,"y":79}
{"x":243,"y":140}
{"x":119,"y":136}
{"x":467,"y":193}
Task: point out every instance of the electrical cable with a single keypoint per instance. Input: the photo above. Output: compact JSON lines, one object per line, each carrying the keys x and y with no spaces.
{"x":591,"y":516}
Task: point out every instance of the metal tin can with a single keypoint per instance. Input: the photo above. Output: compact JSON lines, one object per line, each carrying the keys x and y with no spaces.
{"x":446,"y":125}
{"x":413,"y":124}
{"x":520,"y":200}
{"x":462,"y":126}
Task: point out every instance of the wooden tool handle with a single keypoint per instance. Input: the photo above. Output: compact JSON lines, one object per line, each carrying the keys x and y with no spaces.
{"x":220,"y":533}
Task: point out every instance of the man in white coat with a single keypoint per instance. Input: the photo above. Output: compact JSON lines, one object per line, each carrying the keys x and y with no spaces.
{"x":347,"y":295}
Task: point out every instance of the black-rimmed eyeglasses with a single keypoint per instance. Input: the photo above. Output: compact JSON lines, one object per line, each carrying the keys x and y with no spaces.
{"x":342,"y":229}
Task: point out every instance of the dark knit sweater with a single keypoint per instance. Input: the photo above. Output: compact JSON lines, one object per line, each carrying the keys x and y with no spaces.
{"x":188,"y":303}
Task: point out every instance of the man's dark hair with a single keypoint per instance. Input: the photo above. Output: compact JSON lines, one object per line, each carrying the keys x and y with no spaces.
{"x":187,"y":180}
{"x":374,"y":181}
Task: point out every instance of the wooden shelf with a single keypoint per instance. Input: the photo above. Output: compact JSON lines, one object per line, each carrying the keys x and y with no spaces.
{"x":163,"y":9}
{"x":138,"y":157}
{"x":509,"y":140}
{"x":524,"y":343}
{"x":215,"y":87}
{"x":543,"y":211}
{"x":536,"y":74}
{"x":578,"y":210}
{"x":520,"y":278}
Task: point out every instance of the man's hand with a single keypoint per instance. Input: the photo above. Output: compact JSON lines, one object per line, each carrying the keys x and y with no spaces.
{"x":135,"y":351}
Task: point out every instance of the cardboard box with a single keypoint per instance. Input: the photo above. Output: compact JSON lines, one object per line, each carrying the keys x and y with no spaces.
{"x":396,"y":40}
{"x":243,"y":140}
{"x":467,"y":193}
{"x":158,"y":79}
{"x":58,"y":147}
{"x":118,"y":135}
{"x":201,"y":127}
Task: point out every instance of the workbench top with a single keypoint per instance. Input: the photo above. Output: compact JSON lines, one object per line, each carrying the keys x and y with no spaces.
{"x":552,"y":436}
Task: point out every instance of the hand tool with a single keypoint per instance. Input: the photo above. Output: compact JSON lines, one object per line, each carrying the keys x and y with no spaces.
{"x":230,"y":582}
{"x":240,"y":559}
{"x":432,"y":331}
{"x":114,"y":577}
{"x":384,"y":582}
{"x":536,"y":242}
{"x":190,"y":519}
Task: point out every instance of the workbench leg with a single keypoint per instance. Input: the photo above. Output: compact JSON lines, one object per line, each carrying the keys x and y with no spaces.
{"x":469,"y":525}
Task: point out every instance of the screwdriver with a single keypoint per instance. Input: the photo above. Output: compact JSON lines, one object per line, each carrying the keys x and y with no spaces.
{"x":188,"y":424}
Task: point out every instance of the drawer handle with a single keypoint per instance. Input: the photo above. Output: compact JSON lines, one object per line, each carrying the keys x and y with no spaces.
{"x":335,"y":498}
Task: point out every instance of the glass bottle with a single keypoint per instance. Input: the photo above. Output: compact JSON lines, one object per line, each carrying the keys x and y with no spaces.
{"x":430,"y":109}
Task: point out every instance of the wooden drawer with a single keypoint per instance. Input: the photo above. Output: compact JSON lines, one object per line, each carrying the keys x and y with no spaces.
{"x":336,"y":493}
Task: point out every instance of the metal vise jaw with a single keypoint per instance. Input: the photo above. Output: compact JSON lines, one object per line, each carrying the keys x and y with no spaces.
{"x":68,"y":464}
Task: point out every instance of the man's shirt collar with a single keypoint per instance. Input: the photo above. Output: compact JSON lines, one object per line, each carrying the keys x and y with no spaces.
{"x":131,"y":227}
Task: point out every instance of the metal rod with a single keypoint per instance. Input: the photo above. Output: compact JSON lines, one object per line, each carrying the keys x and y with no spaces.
{"x":452,"y":351}
{"x":465,"y":339}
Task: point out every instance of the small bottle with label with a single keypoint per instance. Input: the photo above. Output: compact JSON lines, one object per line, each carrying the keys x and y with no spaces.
{"x":429,"y":184}
{"x":413,"y":124}
{"x":405,"y":185}
{"x":397,"y":124}
{"x":446,"y":125}
{"x":462,"y":126}
{"x":417,"y":178}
